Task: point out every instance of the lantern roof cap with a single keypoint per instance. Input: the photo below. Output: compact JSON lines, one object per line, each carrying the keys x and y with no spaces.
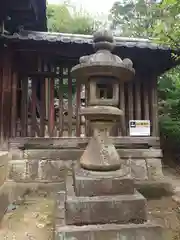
{"x":103,"y":62}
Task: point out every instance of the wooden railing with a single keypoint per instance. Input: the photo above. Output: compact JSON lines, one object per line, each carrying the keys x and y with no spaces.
{"x":29,"y":86}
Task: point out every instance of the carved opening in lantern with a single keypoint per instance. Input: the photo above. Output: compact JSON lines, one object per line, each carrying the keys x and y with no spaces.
{"x":104,"y":91}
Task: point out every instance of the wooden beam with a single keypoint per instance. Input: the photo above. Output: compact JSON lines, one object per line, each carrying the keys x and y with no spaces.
{"x":138,"y":99}
{"x":78,"y":106}
{"x":154,"y":107}
{"x":24,"y":102}
{"x":33,"y":104}
{"x":51,"y":110}
{"x":61,"y":104}
{"x":130,"y":103}
{"x":146,"y":90}
{"x":70,"y":107}
{"x":122,"y":107}
{"x":14,"y":104}
{"x":42,"y":74}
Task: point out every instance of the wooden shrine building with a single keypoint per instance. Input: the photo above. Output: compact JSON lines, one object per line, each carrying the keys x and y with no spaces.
{"x":38,"y":97}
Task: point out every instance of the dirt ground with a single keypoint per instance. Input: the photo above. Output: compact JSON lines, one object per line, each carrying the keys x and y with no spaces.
{"x":166,"y":212}
{"x":32,"y":220}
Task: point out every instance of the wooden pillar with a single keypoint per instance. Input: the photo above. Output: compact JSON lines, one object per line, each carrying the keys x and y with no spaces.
{"x":51,"y":108}
{"x":61,"y":107}
{"x":122,"y":107}
{"x":14,"y":104}
{"x":137,"y":99}
{"x":1,"y":95}
{"x":154,"y":107}
{"x":6,"y":97}
{"x":70,"y":107}
{"x":33,"y":104}
{"x":24,"y":112}
{"x":130,"y":103}
{"x":78,"y":105}
{"x":42,"y":109}
{"x":87,"y":123}
{"x":145,"y":90}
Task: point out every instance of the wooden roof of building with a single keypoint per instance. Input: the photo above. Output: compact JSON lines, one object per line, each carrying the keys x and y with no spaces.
{"x":148,"y":57}
{"x":29,"y":14}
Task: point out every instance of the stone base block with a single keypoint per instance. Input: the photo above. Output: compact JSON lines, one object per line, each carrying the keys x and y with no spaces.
{"x":3,"y":167}
{"x":104,"y":209}
{"x":90,"y":183}
{"x":147,"y":231}
{"x":4,"y":200}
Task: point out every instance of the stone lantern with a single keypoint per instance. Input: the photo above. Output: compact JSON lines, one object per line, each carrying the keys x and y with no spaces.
{"x":101,"y":201}
{"x":103,"y":71}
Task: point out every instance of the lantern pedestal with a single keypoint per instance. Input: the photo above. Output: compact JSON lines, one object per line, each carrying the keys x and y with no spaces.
{"x":100,"y":154}
{"x":104,"y":205}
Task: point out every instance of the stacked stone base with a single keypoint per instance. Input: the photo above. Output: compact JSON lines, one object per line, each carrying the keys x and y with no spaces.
{"x":7,"y":193}
{"x":110,"y":232}
{"x":104,"y":206}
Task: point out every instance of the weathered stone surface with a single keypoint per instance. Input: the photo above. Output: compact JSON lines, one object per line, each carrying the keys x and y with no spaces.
{"x":51,"y":170}
{"x":101,"y":154}
{"x":154,"y":168}
{"x":154,"y":189}
{"x":39,"y":170}
{"x":88,"y":183}
{"x":4,"y":201}
{"x":49,"y":188}
{"x":140,"y":153}
{"x":80,"y":142}
{"x":145,"y":231}
{"x":17,"y":170}
{"x":15,"y":154}
{"x":105,"y":209}
{"x":75,"y":154}
{"x":53,"y":154}
{"x":139,"y":169}
{"x":3,"y":166}
{"x":32,"y":169}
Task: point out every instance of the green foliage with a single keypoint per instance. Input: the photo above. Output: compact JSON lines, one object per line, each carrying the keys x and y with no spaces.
{"x":167,"y":28}
{"x":169,"y":107}
{"x":66,"y":19}
{"x":133,"y":18}
{"x":161,"y":22}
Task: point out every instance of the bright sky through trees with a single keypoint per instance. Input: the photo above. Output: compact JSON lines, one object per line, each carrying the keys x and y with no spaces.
{"x":94,"y":6}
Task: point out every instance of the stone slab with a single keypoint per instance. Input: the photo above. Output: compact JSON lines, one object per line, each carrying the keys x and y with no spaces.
{"x":78,"y":142}
{"x":89,"y":183}
{"x":147,"y":231}
{"x":17,"y":170}
{"x":39,"y":170}
{"x":154,"y":189}
{"x":154,"y":167}
{"x":3,"y":167}
{"x":104,"y":209}
{"x":74,"y":154}
{"x":139,"y":169}
{"x":4,"y":200}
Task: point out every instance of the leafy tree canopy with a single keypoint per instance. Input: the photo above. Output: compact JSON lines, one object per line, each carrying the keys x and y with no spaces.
{"x":67,"y":19}
{"x":159,"y":21}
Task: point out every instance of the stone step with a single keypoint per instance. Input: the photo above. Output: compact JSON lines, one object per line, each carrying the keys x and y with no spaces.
{"x":120,"y":209}
{"x":90,"y":183}
{"x":147,"y":231}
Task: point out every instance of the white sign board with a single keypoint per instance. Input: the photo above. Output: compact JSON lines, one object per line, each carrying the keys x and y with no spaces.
{"x":139,"y":128}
